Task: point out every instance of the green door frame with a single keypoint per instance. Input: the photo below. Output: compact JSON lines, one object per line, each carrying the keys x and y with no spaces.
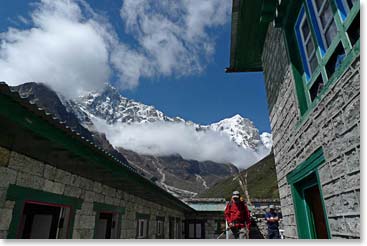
{"x":305,"y":176}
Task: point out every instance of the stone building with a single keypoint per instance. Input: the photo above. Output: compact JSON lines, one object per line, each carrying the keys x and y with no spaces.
{"x":56,"y":184}
{"x":309,"y":52}
{"x":209,"y":220}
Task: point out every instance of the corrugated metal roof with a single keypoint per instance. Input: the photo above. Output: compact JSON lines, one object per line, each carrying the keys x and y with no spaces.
{"x":155,"y":193}
{"x":208,"y":207}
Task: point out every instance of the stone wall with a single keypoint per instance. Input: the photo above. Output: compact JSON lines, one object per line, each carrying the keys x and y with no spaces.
{"x":26,"y":172}
{"x":333,"y":125}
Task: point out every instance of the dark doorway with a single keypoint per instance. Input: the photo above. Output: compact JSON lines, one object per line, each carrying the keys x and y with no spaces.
{"x":310,"y":212}
{"x":313,"y":199}
{"x":107,"y":226}
{"x":44,"y":221}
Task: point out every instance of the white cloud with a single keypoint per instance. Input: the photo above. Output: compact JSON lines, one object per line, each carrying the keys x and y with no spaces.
{"x":174,"y":35}
{"x":166,"y":138}
{"x":74,"y":50}
{"x":63,"y":50}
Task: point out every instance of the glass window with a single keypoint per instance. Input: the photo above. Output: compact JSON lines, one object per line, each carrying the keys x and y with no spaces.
{"x":344,"y":7}
{"x":142,"y":228}
{"x":306,"y":44}
{"x":160,"y":230}
{"x":325,"y":19}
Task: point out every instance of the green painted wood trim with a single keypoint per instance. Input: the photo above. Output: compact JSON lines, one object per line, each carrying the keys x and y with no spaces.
{"x":302,"y":211}
{"x":307,"y":167}
{"x":323,"y":205}
{"x":142,"y":216}
{"x":102,"y":207}
{"x":12,"y":110}
{"x":290,"y":11}
{"x":347,"y":62}
{"x":20,"y":115}
{"x":107,"y":207}
{"x":21,"y":194}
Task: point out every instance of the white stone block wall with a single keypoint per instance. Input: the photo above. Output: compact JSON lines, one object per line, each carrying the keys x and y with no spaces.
{"x":334,"y":125}
{"x":24,"y":171}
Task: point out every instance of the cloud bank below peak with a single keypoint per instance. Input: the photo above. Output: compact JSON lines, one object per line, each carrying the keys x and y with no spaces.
{"x":74,"y":50}
{"x":163,"y":138}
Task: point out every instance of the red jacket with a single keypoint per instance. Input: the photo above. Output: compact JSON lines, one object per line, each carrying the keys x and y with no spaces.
{"x":237,"y":214}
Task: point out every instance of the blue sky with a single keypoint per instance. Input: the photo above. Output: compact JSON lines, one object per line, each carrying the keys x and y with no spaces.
{"x":204,"y":95}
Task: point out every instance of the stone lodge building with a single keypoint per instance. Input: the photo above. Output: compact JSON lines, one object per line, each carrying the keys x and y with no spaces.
{"x":56,"y":184}
{"x":309,"y":52}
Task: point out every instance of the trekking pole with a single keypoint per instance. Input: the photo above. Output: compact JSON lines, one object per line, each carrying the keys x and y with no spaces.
{"x":223,"y":232}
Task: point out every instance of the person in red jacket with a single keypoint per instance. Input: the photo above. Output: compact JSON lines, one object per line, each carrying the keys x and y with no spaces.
{"x":237,"y":216}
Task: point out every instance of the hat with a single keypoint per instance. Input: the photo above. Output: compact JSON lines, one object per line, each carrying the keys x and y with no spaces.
{"x":271,"y":206}
{"x":235,"y":193}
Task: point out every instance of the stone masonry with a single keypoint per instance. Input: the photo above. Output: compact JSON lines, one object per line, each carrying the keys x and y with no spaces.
{"x":333,"y":125}
{"x":21,"y":170}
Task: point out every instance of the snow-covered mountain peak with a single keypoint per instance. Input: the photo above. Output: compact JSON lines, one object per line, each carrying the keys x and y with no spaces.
{"x":110,"y":106}
{"x":267,"y":140}
{"x":240,"y":130}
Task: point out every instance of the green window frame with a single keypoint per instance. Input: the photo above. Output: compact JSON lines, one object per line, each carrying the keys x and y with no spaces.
{"x":301,"y":178}
{"x":21,"y":194}
{"x":102,"y":207}
{"x":311,"y":86}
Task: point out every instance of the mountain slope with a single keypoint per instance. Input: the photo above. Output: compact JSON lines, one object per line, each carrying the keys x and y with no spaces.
{"x":183,"y":178}
{"x":261,"y":182}
{"x":110,"y":106}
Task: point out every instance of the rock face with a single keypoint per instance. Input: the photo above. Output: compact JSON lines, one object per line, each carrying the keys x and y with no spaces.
{"x":183,"y":178}
{"x":110,"y":106}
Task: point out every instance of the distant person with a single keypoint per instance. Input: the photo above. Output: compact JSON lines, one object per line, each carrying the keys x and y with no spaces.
{"x":272,"y":221}
{"x":237,"y":216}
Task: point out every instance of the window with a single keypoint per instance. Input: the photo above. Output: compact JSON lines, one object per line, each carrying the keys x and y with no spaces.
{"x":344,"y":7}
{"x":142,"y":226}
{"x":178,"y":228}
{"x":326,"y":25}
{"x":160,"y":227}
{"x":306,"y":43}
{"x":195,"y":229}
{"x":326,"y":45}
{"x":107,"y":225}
{"x":44,"y":221}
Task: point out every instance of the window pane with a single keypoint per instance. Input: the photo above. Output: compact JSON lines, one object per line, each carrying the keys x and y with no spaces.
{"x":330,"y":33}
{"x":191,"y":230}
{"x":310,"y":47}
{"x":313,"y":62}
{"x":326,"y":15}
{"x":198,"y":230}
{"x":319,"y":3}
{"x":351,"y":3}
{"x":305,"y":29}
